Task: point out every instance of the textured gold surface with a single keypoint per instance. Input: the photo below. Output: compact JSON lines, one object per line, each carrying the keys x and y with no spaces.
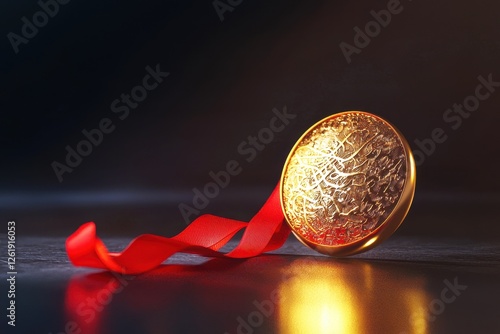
{"x":344,"y":178}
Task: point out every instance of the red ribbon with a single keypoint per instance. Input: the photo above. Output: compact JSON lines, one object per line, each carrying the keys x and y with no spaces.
{"x":204,"y":236}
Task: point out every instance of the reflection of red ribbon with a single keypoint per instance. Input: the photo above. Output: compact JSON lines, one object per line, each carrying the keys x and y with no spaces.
{"x":204,"y":236}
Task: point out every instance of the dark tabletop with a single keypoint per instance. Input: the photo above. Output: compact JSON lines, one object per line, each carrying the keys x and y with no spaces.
{"x":406,"y":285}
{"x":230,"y":74}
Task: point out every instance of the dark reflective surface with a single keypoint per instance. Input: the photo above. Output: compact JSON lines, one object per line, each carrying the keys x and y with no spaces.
{"x":408,"y":285}
{"x":226,"y":78}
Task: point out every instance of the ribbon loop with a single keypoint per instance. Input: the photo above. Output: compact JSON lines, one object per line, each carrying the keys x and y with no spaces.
{"x":204,"y":236}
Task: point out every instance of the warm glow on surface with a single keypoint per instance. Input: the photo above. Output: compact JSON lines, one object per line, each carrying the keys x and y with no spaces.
{"x":350,"y":297}
{"x":317,"y":304}
{"x":418,"y":307}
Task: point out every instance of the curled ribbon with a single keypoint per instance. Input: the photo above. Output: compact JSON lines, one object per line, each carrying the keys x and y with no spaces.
{"x":204,"y":236}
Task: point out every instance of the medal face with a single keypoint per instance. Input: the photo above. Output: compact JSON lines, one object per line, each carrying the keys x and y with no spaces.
{"x":348,"y":183}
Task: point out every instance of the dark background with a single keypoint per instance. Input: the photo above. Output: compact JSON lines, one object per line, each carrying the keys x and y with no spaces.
{"x":225,"y":79}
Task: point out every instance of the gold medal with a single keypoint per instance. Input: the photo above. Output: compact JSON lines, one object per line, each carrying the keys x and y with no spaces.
{"x":348,"y":183}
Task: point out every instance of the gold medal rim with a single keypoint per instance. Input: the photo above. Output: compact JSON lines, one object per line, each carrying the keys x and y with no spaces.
{"x":389,"y":225}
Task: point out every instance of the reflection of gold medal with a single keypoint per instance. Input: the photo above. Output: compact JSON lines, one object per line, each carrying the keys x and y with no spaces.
{"x":347,"y":183}
{"x":352,"y":297}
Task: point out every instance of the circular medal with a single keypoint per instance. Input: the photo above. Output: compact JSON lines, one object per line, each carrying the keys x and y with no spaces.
{"x":348,"y":183}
